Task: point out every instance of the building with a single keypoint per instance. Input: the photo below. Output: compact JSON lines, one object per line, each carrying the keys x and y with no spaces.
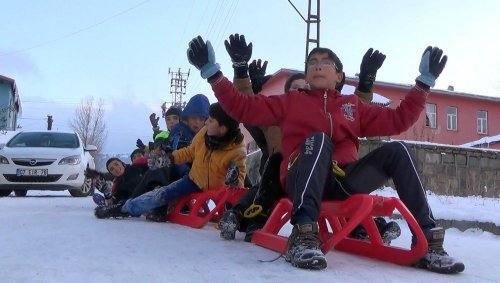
{"x":450,"y":117}
{"x":10,"y":104}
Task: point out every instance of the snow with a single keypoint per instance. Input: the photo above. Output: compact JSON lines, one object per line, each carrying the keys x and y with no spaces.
{"x":485,"y":140}
{"x":52,"y":237}
{"x":474,"y":208}
{"x":377,"y":98}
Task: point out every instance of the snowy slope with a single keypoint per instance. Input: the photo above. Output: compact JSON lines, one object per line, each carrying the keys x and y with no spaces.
{"x":52,"y":237}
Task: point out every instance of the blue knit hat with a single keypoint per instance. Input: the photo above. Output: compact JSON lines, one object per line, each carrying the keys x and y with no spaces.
{"x":196,"y":106}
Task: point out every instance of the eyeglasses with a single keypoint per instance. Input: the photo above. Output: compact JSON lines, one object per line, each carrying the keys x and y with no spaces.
{"x":322,"y":63}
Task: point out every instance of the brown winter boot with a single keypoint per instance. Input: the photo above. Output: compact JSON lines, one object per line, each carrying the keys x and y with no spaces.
{"x":303,"y":249}
{"x":437,"y":259}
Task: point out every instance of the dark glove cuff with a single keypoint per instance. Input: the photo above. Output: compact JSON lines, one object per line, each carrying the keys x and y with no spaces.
{"x":422,"y":85}
{"x":366,"y":82}
{"x":365,"y":86}
{"x":216,"y":78}
{"x":240,"y":70}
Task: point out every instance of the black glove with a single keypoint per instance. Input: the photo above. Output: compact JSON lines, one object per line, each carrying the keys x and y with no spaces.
{"x":202,"y":56}
{"x":166,"y":146}
{"x":340,"y":84}
{"x":240,"y":54}
{"x":372,"y":61}
{"x":140,"y":144}
{"x":431,"y":66}
{"x":232,"y":175}
{"x":93,"y":174}
{"x":154,"y":120}
{"x":257,"y":71}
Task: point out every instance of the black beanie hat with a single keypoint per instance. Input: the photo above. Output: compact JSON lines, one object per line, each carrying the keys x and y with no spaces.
{"x":215,"y":111}
{"x":112,"y":159}
{"x":173,"y":111}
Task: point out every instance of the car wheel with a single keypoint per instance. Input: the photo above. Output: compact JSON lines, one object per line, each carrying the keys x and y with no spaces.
{"x":4,"y":193}
{"x":20,"y":193}
{"x":86,"y":190}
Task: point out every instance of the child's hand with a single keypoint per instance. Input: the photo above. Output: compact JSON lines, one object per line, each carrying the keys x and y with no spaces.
{"x":238,"y":49}
{"x":431,"y":66}
{"x":201,"y":54}
{"x":257,"y":73}
{"x":140,"y":144}
{"x":154,"y":120}
{"x":232,"y":175}
{"x":372,"y":61}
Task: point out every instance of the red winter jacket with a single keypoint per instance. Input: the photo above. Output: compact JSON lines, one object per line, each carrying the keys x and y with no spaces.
{"x":300,"y":113}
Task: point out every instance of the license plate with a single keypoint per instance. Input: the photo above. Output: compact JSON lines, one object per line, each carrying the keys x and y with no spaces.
{"x":32,"y":172}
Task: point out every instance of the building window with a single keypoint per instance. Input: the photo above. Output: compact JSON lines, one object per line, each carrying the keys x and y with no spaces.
{"x":482,"y":122}
{"x":430,"y":111}
{"x":451,"y":118}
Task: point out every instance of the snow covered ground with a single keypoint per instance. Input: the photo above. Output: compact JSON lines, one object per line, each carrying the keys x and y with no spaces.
{"x":52,"y":237}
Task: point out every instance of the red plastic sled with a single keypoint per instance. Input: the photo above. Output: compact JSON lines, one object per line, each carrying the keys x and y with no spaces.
{"x":338,"y":219}
{"x":193,"y":210}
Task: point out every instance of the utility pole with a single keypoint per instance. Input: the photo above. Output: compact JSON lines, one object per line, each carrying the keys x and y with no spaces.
{"x":178,"y":87}
{"x":49,"y":122}
{"x":312,"y":24}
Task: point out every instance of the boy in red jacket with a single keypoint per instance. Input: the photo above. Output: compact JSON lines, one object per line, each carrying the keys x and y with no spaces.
{"x":327,"y":135}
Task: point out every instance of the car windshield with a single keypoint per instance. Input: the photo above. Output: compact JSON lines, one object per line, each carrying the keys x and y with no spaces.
{"x":44,"y":139}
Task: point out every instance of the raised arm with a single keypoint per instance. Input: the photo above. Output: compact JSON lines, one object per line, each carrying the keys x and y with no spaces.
{"x":372,"y":61}
{"x":254,"y":110}
{"x":386,"y":121}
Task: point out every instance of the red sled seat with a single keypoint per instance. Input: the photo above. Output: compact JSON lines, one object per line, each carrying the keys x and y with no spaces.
{"x":193,"y":210}
{"x":339,"y":218}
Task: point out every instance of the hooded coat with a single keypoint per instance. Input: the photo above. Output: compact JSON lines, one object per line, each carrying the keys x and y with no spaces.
{"x":180,"y":135}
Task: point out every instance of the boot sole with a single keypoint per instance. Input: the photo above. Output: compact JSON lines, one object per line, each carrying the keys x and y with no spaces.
{"x":453,"y":269}
{"x":315,"y":263}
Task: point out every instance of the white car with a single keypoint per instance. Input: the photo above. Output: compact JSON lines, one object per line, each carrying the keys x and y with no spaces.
{"x":45,"y":160}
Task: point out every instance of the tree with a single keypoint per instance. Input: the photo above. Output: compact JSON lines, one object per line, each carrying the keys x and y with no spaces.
{"x":88,"y":122}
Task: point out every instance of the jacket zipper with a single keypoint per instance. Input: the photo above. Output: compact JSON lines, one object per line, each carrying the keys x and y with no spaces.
{"x":325,"y":98}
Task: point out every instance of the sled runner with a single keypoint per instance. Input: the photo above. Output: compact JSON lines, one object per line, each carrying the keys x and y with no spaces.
{"x":194,"y":210}
{"x":338,"y":219}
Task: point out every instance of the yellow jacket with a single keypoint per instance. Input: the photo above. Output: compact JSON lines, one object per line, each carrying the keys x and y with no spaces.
{"x":209,"y":167}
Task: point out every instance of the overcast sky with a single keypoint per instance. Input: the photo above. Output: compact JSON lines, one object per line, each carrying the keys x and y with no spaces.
{"x":60,"y":52}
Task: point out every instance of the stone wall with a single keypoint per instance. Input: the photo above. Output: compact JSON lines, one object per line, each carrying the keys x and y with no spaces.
{"x":453,"y":171}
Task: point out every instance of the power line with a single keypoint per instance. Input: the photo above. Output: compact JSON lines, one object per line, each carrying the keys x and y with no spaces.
{"x":50,"y":102}
{"x":77,"y":31}
{"x":228,"y":17}
{"x":37,"y":119}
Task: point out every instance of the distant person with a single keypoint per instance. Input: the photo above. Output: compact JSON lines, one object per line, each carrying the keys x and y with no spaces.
{"x":172,"y":117}
{"x":327,"y":135}
{"x":221,"y":141}
{"x":125,"y":179}
{"x":193,"y":118}
{"x":137,"y":153}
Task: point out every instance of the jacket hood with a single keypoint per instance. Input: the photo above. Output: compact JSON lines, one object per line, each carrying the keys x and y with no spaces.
{"x":196,"y":106}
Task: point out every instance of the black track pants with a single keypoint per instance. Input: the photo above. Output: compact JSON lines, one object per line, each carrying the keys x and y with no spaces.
{"x":310,"y":178}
